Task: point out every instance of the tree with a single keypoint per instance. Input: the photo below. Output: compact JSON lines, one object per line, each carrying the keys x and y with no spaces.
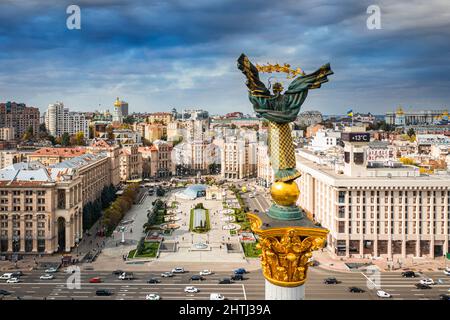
{"x":78,"y":139}
{"x":91,"y":132}
{"x":29,"y":134}
{"x":411,"y":132}
{"x":110,"y":132}
{"x":65,"y":139}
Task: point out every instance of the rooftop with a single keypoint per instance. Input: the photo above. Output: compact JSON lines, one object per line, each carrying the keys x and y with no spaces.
{"x":61,"y":152}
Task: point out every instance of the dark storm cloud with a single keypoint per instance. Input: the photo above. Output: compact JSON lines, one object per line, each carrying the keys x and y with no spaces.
{"x":159,"y":54}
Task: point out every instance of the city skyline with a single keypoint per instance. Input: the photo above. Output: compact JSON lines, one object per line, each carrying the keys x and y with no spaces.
{"x":189,"y":60}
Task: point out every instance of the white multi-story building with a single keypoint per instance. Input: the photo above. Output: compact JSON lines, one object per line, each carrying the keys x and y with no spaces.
{"x":265,"y":173}
{"x":120,"y":111}
{"x":58,"y":120}
{"x":238,"y":157}
{"x":379,"y":211}
{"x":325,"y":139}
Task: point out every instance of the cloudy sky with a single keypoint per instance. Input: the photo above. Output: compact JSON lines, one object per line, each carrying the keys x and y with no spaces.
{"x":177,"y":53}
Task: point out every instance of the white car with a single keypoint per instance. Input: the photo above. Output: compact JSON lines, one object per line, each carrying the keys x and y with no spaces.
{"x":383,"y":294}
{"x":51,"y":270}
{"x":216,"y":296}
{"x":126,"y":276}
{"x":447,"y":271}
{"x":13,"y":280}
{"x":427,"y":281}
{"x":205,"y":272}
{"x":167,"y":274}
{"x":191,"y":290}
{"x":6,"y":276}
{"x":178,"y":270}
{"x":152,"y":296}
{"x":46,"y":277}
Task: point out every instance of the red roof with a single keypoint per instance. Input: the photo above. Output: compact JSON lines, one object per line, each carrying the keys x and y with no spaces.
{"x":62,"y":152}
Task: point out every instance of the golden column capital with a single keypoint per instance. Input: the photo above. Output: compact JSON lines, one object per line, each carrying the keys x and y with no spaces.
{"x":286,"y":251}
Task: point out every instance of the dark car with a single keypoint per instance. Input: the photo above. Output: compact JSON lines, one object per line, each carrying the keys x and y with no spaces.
{"x":356,"y":290}
{"x":315,"y":263}
{"x":422,"y":286}
{"x":16,"y":274}
{"x":196,"y":277}
{"x":330,"y":281}
{"x":409,"y":274}
{"x":117,"y":272}
{"x":237,"y":277}
{"x":4,"y":292}
{"x":225,"y":281}
{"x":153,"y":280}
{"x":103,"y":292}
{"x":240,"y":271}
{"x":444,"y":297}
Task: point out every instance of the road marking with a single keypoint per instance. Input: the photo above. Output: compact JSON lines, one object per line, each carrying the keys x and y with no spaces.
{"x":245,"y":294}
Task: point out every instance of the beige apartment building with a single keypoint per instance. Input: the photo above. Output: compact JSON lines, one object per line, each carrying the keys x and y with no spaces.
{"x":130,"y":163}
{"x":50,"y":156}
{"x":264,"y":171}
{"x":238,"y":158}
{"x":40,"y":209}
{"x":379,"y":210}
{"x":7,"y":133}
{"x":94,"y":172}
{"x":161,"y":117}
{"x":112,"y":151}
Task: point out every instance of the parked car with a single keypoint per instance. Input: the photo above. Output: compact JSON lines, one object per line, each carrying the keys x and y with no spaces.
{"x":225,"y":281}
{"x":330,"y":281}
{"x":4,"y":292}
{"x":191,"y":290}
{"x":178,"y":270}
{"x":153,"y":280}
{"x":216,"y":296}
{"x":95,"y":280}
{"x":167,"y":274}
{"x":237,"y":277}
{"x":447,"y":271}
{"x":422,"y":286}
{"x":383,"y":294}
{"x":441,"y":296}
{"x":152,"y":296}
{"x":356,"y":290}
{"x":13,"y":280}
{"x":205,"y":272}
{"x":51,"y":270}
{"x":103,"y":292}
{"x":47,"y":277}
{"x":427,"y":281}
{"x":240,"y":271}
{"x":117,"y":272}
{"x":409,"y":274}
{"x":6,"y":276}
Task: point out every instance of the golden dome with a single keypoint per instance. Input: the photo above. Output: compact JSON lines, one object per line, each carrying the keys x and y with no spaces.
{"x":284,"y":193}
{"x":117,"y":103}
{"x":400,"y":110}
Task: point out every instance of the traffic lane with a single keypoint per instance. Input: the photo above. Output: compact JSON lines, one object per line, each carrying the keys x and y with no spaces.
{"x":166,"y":291}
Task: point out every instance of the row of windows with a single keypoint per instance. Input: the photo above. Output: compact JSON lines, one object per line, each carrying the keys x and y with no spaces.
{"x":17,"y":193}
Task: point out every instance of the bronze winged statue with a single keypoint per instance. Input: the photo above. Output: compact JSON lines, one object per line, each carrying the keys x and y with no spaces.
{"x":280,"y":109}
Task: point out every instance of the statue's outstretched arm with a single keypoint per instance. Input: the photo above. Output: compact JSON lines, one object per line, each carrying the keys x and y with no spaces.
{"x":255,"y":86}
{"x":310,"y":81}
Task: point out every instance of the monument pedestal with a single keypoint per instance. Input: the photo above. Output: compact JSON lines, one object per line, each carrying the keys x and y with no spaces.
{"x":274,"y":292}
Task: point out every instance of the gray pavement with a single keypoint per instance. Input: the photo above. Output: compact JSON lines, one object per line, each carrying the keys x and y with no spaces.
{"x":250,"y":289}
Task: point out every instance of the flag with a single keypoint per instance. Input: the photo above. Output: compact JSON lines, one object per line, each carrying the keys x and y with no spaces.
{"x":350,"y":113}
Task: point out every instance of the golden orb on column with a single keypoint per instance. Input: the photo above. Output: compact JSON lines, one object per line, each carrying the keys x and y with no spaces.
{"x":285,"y":193}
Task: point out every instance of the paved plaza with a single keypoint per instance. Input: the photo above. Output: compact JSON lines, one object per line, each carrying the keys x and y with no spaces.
{"x":217,"y":241}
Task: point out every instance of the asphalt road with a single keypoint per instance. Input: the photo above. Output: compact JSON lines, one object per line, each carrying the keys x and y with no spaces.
{"x":400,"y":288}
